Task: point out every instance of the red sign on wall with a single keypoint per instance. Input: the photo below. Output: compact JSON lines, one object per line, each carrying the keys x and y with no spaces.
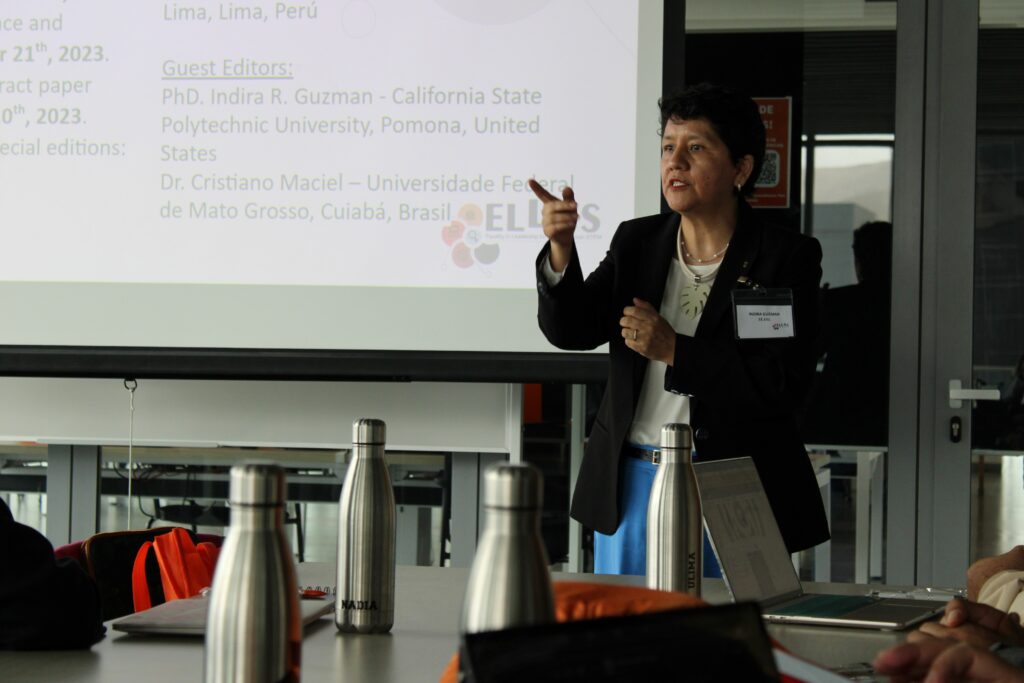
{"x":772,"y":188}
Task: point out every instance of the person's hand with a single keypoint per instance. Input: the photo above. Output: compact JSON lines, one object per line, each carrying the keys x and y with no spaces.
{"x":910,"y":661}
{"x":647,"y":333}
{"x":987,"y":567}
{"x":975,"y":624}
{"x":944,"y":661}
{"x":558,"y":217}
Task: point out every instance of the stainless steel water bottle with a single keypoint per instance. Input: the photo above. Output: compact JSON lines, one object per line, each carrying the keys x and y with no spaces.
{"x":509,"y":583}
{"x":366,"y":536}
{"x":253,"y":632}
{"x":674,"y":523}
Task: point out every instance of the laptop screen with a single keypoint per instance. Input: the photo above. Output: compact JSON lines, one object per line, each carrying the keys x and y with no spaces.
{"x":746,"y":538}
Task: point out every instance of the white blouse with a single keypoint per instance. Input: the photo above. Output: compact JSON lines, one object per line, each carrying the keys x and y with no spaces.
{"x":656,"y":406}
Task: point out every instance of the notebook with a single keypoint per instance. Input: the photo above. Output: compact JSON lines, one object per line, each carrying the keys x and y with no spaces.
{"x":756,"y":565}
{"x":188,"y":617}
{"x":699,"y":645}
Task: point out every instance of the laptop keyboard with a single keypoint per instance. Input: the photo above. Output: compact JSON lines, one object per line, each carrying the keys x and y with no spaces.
{"x":823,"y":605}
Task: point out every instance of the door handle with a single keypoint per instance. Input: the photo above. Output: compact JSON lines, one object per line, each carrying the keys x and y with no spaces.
{"x":957,"y":394}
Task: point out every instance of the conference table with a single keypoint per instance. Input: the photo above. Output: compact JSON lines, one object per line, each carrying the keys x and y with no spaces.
{"x":425,"y":634}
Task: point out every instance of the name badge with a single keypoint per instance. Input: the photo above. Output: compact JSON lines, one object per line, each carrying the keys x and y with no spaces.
{"x":763,"y":313}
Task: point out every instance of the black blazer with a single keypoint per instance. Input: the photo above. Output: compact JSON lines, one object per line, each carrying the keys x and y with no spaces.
{"x":744,"y":393}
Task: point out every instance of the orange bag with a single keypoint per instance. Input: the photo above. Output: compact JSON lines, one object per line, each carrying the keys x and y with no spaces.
{"x":185,"y":568}
{"x":577,"y":600}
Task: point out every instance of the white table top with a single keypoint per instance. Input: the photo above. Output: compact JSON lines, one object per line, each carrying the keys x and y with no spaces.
{"x":428,"y":603}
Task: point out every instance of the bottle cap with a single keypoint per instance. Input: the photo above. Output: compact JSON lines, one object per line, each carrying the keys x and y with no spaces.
{"x":676,"y":435}
{"x":369,"y":432}
{"x":257,"y":483}
{"x":511,"y":486}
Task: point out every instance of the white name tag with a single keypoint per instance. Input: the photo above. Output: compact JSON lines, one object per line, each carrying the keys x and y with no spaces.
{"x":763,"y":313}
{"x":764,"y":322}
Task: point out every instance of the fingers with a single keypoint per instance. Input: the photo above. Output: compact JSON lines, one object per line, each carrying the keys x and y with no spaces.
{"x":932,"y":629}
{"x":647,"y":333}
{"x":641,"y":316}
{"x":640,"y":310}
{"x":951,"y":664}
{"x":987,"y":616}
{"x":643,"y":305}
{"x":969,"y":633}
{"x":943,"y":660}
{"x":922,"y":635}
{"x":956,"y":613}
{"x":558,"y":216}
{"x":896,"y":659}
{"x":900,"y":664}
{"x":910,"y":661}
{"x":541,"y":193}
{"x":961,"y":613}
{"x":650,"y":344}
{"x":964,"y":663}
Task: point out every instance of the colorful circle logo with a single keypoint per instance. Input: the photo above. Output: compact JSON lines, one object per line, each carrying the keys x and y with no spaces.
{"x":465,"y":236}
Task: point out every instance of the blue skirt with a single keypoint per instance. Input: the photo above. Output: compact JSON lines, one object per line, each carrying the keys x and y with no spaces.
{"x":625,"y":551}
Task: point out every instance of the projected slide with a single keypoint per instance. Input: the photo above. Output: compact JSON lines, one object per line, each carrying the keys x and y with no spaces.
{"x":346,"y":143}
{"x":328,"y":174}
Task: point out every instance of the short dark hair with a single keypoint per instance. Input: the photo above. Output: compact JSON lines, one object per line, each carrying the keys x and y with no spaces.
{"x":734,"y":116}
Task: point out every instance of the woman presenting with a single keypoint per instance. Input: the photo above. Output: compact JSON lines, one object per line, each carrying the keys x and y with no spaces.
{"x":676,"y":300}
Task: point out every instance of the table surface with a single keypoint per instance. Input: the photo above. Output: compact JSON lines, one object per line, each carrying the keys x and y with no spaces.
{"x":428,"y":603}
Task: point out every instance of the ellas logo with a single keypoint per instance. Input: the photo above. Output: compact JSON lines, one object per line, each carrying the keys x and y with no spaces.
{"x":465,"y":236}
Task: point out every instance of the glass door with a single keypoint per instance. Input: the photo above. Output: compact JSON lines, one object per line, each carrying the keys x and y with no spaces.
{"x":825,"y":76}
{"x":908,"y":113}
{"x":997,"y":436}
{"x":971,"y":420}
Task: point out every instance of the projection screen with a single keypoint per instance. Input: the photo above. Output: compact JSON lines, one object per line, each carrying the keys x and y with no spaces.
{"x":325,"y":175}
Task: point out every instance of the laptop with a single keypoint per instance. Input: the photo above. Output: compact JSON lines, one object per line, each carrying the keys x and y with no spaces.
{"x":188,"y":617}
{"x":756,"y":565}
{"x":699,"y":645}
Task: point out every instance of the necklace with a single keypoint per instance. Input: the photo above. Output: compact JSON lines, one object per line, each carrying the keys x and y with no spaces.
{"x":696,"y":259}
{"x":694,"y":296}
